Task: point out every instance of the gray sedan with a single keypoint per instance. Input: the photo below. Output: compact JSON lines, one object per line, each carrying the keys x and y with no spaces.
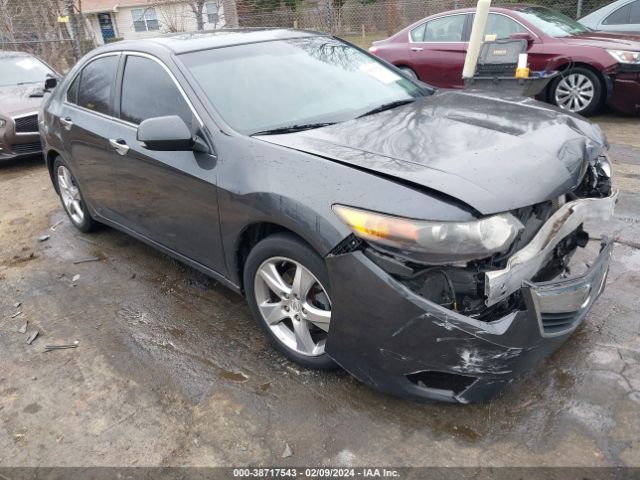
{"x":420,"y":239}
{"x":621,"y":16}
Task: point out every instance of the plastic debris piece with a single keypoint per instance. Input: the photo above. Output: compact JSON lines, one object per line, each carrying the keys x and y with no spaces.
{"x":17,"y":305}
{"x":86,"y":260}
{"x":17,"y":314}
{"x":53,"y":227}
{"x":75,"y":278}
{"x":23,"y":328}
{"x":287,"y":451}
{"x":32,"y":337}
{"x":44,"y":238}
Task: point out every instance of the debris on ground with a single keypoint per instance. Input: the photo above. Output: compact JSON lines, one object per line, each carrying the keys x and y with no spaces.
{"x":44,"y":238}
{"x":17,"y":314}
{"x":23,"y":328}
{"x":32,"y":337}
{"x":75,"y":278}
{"x":17,"y":305}
{"x":53,"y":227}
{"x":87,"y":260}
{"x":49,"y":348}
{"x":287,"y":451}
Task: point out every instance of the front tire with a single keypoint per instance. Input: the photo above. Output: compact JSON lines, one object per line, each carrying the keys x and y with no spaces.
{"x":287,"y":288}
{"x":71,"y":197}
{"x":577,"y":90}
{"x":409,"y":72}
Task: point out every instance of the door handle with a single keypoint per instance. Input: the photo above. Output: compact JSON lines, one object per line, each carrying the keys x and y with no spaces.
{"x":119,"y":145}
{"x":416,"y":49}
{"x":66,"y":123}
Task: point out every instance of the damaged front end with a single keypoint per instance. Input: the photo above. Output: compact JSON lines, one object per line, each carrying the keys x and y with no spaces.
{"x":461,"y":330}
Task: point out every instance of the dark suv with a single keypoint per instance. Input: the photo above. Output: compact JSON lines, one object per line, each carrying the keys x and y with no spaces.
{"x":421,"y":239}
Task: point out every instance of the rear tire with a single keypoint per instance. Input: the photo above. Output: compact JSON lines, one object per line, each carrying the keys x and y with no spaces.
{"x":410,"y":73}
{"x":287,"y":288}
{"x":71,"y":197}
{"x":578,"y":90}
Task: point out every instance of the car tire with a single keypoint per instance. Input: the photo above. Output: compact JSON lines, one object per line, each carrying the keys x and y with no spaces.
{"x":409,"y":72}
{"x":578,"y":90}
{"x":71,"y":197}
{"x":296,"y":318}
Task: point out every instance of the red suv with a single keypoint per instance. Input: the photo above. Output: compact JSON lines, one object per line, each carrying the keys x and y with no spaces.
{"x":597,"y":67}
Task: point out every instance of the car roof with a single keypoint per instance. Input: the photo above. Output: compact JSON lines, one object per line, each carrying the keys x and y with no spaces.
{"x":516,"y":7}
{"x":605,"y":10}
{"x":189,"y":42}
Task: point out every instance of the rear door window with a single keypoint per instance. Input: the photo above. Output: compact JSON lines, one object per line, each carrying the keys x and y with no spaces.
{"x":619,"y":17}
{"x":95,"y":91}
{"x":445,"y":29}
{"x":417,"y":34}
{"x":148,"y":91}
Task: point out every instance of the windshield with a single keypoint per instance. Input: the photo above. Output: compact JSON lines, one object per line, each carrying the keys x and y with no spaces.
{"x":22,"y":69}
{"x":554,"y":24}
{"x":304,"y":81}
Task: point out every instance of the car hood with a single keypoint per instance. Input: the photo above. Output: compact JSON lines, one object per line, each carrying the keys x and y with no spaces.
{"x":492,"y":154}
{"x":612,"y":41}
{"x":17,"y":99}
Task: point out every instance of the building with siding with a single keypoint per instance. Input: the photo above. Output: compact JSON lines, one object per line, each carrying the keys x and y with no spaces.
{"x":110,"y":20}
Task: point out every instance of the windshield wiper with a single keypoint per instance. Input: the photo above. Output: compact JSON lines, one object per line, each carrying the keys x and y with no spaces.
{"x":387,"y":106}
{"x":293,"y":128}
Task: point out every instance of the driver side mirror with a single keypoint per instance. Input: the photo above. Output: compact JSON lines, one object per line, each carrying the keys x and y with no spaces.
{"x":524,"y":36}
{"x":168,"y":134}
{"x":50,"y":83}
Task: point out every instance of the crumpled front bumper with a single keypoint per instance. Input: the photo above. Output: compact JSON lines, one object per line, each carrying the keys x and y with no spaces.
{"x":398,"y":342}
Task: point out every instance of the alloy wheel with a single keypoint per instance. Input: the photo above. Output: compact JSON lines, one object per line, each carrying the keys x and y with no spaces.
{"x":575,"y":92}
{"x":294,"y":305}
{"x":70,"y":195}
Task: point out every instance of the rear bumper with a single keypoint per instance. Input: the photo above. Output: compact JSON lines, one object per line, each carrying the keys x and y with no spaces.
{"x":398,"y":342}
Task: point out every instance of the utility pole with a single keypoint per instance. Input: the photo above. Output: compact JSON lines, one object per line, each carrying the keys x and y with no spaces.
{"x":579,"y":10}
{"x":73,"y":22}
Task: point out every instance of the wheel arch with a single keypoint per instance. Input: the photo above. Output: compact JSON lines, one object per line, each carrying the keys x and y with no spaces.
{"x":563,"y":67}
{"x":50,"y":157}
{"x":251,"y":235}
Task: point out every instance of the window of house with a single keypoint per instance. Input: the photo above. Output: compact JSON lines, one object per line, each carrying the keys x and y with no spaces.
{"x":445,"y":29}
{"x":145,"y":19}
{"x":502,"y":27}
{"x":619,"y":17}
{"x":96,"y":82}
{"x":148,"y":91}
{"x":212,"y":12}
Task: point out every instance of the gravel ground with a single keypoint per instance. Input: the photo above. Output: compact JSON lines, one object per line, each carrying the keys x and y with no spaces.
{"x":171,"y":369}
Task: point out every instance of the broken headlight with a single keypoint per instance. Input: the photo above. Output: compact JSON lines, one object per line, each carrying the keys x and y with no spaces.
{"x":433,"y":242}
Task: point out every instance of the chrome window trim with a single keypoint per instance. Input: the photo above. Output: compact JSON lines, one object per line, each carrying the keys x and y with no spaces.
{"x":437,"y":18}
{"x":171,"y":75}
{"x":119,"y":120}
{"x":23,"y":115}
{"x":471,"y":13}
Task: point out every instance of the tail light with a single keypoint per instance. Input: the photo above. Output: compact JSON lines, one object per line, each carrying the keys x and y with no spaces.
{"x":373,"y":49}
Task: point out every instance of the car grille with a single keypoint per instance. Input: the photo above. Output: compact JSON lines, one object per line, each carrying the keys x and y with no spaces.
{"x":558,"y":322}
{"x":22,"y":148}
{"x":27,"y":124}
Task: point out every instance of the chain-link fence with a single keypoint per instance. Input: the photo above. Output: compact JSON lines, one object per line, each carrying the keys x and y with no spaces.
{"x":60,"y":30}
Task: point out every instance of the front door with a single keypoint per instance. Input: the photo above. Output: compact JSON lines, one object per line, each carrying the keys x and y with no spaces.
{"x":169,"y":197}
{"x":438,"y":50}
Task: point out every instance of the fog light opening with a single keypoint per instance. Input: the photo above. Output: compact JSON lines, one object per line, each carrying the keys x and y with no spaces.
{"x":441,"y":381}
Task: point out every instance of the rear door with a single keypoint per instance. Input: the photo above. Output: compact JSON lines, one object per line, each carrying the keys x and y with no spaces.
{"x":86,"y":124}
{"x":438,"y":50}
{"x":169,"y":197}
